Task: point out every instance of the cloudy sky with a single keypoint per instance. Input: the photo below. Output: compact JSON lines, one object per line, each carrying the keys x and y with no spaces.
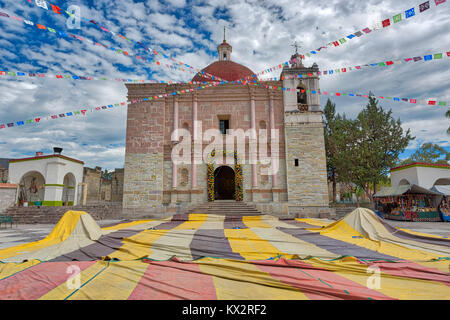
{"x":261,"y":33}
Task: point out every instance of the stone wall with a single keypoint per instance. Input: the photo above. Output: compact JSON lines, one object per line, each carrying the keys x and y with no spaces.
{"x":143,"y":184}
{"x":3,"y":175}
{"x":117,"y":185}
{"x":93,"y":179}
{"x":7,"y":195}
{"x":306,"y":181}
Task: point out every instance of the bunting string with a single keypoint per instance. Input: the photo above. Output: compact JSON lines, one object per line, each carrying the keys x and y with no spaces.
{"x":382,"y":25}
{"x":56,"y":9}
{"x":37,"y":75}
{"x":83,"y":112}
{"x":65,"y":35}
{"x":333,"y":71}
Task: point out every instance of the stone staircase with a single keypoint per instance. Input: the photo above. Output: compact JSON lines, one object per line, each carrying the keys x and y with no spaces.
{"x":227,"y":208}
{"x":52,"y":215}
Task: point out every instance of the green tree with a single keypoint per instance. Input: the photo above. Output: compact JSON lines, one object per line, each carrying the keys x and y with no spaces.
{"x":330,"y":143}
{"x":448,"y":116}
{"x":372,"y":145}
{"x":429,"y":153}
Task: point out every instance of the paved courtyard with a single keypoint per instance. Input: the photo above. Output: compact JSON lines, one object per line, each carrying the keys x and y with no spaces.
{"x":28,"y":233}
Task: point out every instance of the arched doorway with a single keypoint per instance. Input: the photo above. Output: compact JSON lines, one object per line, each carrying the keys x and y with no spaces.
{"x":68,"y":195}
{"x":31,"y":189}
{"x":224,"y":183}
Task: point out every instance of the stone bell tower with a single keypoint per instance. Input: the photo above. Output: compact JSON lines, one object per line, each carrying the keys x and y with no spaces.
{"x":306,"y":173}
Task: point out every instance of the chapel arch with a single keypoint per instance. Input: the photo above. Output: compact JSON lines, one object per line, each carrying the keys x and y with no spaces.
{"x":32,"y":188}
{"x":68,"y":195}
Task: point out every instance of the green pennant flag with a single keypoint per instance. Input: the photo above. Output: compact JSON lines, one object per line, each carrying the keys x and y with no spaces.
{"x":382,"y":64}
{"x":67,"y":77}
{"x":442,"y":103}
{"x":342,"y":40}
{"x":77,"y":113}
{"x":29,"y":121}
{"x":397,"y":18}
{"x":438,"y":56}
{"x":390,"y":98}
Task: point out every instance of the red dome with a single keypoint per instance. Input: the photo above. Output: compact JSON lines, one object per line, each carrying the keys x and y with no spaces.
{"x":226,"y":70}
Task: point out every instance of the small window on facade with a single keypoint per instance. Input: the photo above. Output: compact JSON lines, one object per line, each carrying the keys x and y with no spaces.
{"x":301,"y":95}
{"x":296,"y":162}
{"x":224,"y":56}
{"x":224,"y":125}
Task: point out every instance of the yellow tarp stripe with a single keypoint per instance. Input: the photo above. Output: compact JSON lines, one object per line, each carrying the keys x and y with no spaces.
{"x":393,"y":286}
{"x":240,"y":280}
{"x":117,"y":282}
{"x":63,"y":290}
{"x":250,"y":246}
{"x":126,"y":225}
{"x":195,"y":221}
{"x":9,"y":269}
{"x":254,"y":222}
{"x":425,"y":234}
{"x":344,"y":232}
{"x":60,"y":232}
{"x":138,"y":245}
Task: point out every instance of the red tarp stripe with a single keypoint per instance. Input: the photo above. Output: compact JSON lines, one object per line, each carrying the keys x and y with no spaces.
{"x":171,"y":280}
{"x":317,"y":283}
{"x":412,"y":270}
{"x":35,"y":282}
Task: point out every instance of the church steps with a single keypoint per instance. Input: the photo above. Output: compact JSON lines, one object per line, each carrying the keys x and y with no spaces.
{"x":229,"y":208}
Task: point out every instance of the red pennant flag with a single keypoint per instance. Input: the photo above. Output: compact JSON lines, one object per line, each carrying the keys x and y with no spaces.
{"x":336,"y":43}
{"x":2,"y":73}
{"x":59,"y":76}
{"x":56,"y":9}
{"x":125,"y":53}
{"x":2,"y":126}
{"x":344,"y":70}
{"x":448,"y":54}
{"x":432,"y":103}
{"x":122,"y":103}
{"x":389,"y":63}
{"x":309,"y":74}
{"x":83,"y":112}
{"x":37,"y":119}
{"x":40,"y":26}
{"x":413,"y":101}
{"x":98,"y":108}
{"x":386,"y":23}
{"x":338,"y":94}
{"x":54,"y":117}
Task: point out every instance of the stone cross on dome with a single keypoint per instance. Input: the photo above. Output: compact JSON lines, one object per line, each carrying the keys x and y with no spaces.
{"x":224,"y":49}
{"x":296,"y":59}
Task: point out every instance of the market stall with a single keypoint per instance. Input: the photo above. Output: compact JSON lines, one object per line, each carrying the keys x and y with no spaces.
{"x":444,"y":206}
{"x":408,"y":203}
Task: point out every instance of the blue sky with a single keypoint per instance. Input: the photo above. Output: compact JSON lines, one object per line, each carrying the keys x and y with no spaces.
{"x":261,"y":33}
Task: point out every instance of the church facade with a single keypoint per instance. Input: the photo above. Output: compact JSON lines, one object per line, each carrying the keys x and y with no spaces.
{"x":279,"y":166}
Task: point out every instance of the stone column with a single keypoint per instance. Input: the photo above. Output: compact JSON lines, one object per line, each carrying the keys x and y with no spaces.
{"x":173,"y":197}
{"x":275,"y":194}
{"x":194,"y":139}
{"x":252,"y":140}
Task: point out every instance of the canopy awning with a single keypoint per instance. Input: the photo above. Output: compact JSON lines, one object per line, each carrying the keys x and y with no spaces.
{"x":442,"y":189}
{"x":402,"y":189}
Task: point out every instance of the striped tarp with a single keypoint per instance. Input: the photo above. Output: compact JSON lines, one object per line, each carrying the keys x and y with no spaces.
{"x":208,"y":257}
